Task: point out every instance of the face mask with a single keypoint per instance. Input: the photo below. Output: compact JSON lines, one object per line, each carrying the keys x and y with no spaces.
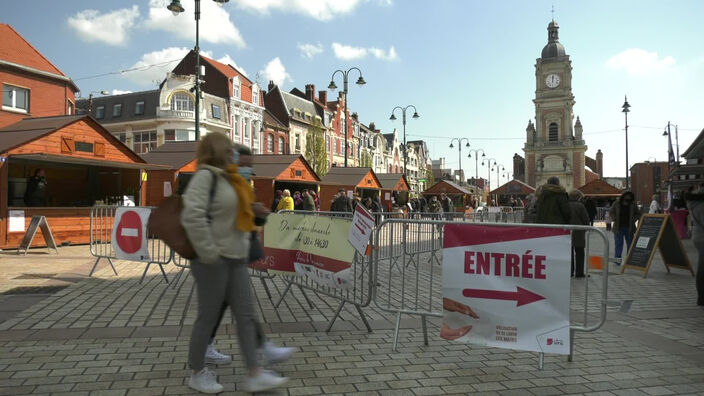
{"x":236,"y":157}
{"x":246,"y":172}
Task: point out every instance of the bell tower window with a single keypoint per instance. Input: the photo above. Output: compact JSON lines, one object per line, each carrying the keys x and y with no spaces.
{"x":553,"y":134}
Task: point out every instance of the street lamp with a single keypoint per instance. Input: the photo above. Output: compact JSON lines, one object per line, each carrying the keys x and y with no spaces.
{"x":392,"y":118}
{"x":489,"y":169}
{"x":625,"y":109}
{"x":498,"y":180}
{"x":476,"y":161}
{"x":667,"y":132}
{"x":332,"y":87}
{"x":459,"y":146}
{"x":90,"y":98}
{"x":176,"y":8}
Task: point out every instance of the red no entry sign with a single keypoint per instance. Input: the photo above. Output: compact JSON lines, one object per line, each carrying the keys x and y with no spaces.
{"x":129,"y":233}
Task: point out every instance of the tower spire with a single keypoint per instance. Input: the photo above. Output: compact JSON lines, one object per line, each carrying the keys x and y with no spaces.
{"x":552,"y":11}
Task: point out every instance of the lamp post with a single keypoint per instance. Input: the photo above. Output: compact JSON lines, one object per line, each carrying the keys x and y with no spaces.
{"x":392,"y":118}
{"x":677,"y":142}
{"x":90,"y":99}
{"x":459,"y":146}
{"x":476,"y":161}
{"x":332,"y":87}
{"x":498,"y":180}
{"x":506,"y":175}
{"x":176,"y":8}
{"x":625,"y":109}
{"x":488,"y":172}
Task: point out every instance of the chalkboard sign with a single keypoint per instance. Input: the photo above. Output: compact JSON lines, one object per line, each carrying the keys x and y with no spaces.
{"x":41,"y":223}
{"x":656,"y":231}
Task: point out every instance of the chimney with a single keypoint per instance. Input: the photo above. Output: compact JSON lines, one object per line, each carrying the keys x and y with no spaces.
{"x":371,"y":126}
{"x":323,"y":97}
{"x":600,"y":163}
{"x":271,"y":85}
{"x":310,"y":92}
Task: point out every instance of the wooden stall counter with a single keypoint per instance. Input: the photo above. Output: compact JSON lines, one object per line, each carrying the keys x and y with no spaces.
{"x":67,"y":224}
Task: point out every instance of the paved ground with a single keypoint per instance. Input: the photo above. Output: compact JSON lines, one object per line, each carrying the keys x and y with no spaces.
{"x":112,"y":335}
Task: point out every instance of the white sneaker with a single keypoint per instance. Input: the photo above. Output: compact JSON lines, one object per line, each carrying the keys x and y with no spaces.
{"x":212,"y":356}
{"x":263,"y":381}
{"x":273,"y":354}
{"x":205,"y":381}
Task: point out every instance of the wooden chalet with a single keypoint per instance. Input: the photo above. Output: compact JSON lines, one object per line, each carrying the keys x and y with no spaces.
{"x":362,"y":181}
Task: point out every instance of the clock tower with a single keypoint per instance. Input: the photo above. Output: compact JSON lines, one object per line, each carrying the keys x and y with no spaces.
{"x":554,"y":144}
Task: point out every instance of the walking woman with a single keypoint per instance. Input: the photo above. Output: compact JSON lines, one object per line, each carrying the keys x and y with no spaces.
{"x":218,"y":224}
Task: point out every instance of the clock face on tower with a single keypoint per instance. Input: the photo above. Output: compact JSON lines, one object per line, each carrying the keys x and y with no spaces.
{"x":552,"y":80}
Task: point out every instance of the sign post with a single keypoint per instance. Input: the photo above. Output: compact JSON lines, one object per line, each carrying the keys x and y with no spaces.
{"x":38,"y":222}
{"x":507,"y":287}
{"x":129,"y":234}
{"x":656,"y":231}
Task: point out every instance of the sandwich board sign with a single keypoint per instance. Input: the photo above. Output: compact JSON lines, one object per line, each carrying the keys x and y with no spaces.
{"x":129,"y":233}
{"x":656,"y":231}
{"x":507,"y":287}
{"x":38,"y":222}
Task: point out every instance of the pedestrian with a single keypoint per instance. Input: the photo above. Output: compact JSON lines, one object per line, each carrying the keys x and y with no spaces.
{"x":590,"y":205}
{"x":277,"y":198}
{"x":655,"y":205}
{"x":695,"y":204}
{"x":218,"y":228}
{"x":624,"y":213}
{"x":316,"y":201}
{"x":446,"y":203}
{"x":607,"y":218}
{"x":356,"y":200}
{"x":286,"y":202}
{"x":308,"y":202}
{"x":553,"y":204}
{"x":578,"y":216}
{"x":531,"y":207}
{"x":341,"y":203}
{"x":297,"y":201}
{"x":35,"y":193}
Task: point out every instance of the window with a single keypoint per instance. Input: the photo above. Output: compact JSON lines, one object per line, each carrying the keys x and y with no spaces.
{"x":144,"y":141}
{"x":282,"y":142}
{"x":83,"y":146}
{"x":117,"y":110}
{"x":298,"y":141}
{"x":216,"y":111}
{"x":100,"y":112}
{"x":15,"y":98}
{"x":139,"y":108}
{"x":237,"y":125}
{"x":255,"y":94}
{"x":337,"y":144}
{"x":236,"y":85}
{"x":182,"y":102}
{"x":122,"y":137}
{"x":70,"y":108}
{"x":270,"y":143}
{"x":179,"y":135}
{"x":246,"y":128}
{"x":553,"y":133}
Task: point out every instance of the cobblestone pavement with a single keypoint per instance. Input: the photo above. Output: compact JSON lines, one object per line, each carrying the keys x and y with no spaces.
{"x":112,"y":335}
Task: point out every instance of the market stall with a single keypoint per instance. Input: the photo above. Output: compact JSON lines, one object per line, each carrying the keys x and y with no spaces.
{"x":280,"y":172}
{"x":394,"y":189}
{"x":362,"y":181}
{"x":514,"y":191}
{"x":462,"y":196}
{"x":59,"y":167}
{"x":180,"y":159}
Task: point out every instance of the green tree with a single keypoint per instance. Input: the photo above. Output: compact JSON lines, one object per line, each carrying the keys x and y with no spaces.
{"x":429,"y":177}
{"x":316,"y":152}
{"x":365,"y":160}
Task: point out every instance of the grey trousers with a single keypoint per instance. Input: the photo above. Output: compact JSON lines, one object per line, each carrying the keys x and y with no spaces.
{"x":226,"y":281}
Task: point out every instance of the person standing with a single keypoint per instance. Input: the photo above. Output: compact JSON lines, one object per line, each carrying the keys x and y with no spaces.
{"x":277,"y":198}
{"x":297,"y":201}
{"x":342,"y":203}
{"x":446,"y":203}
{"x":308,"y":202}
{"x":655,"y":205}
{"x":35,"y":194}
{"x":553,"y":205}
{"x":624,"y":213}
{"x":218,"y":227}
{"x":590,"y":205}
{"x":695,"y":204}
{"x":578,"y":216}
{"x":286,"y":202}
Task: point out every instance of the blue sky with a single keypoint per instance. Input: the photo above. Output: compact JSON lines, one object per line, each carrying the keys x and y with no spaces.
{"x":468,"y":66}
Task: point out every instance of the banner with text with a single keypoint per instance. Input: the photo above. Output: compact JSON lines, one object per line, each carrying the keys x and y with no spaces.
{"x":507,"y":287}
{"x":312,"y":246}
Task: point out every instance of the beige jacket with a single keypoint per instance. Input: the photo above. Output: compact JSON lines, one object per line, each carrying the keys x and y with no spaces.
{"x":217,"y":237}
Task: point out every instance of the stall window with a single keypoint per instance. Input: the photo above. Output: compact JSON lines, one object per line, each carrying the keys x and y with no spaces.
{"x":117,"y":110}
{"x":144,"y":141}
{"x":15,"y":98}
{"x":100,"y":112}
{"x":182,"y":102}
{"x":139,"y":108}
{"x":216,"y":111}
{"x":281,"y":145}
{"x":270,"y":143}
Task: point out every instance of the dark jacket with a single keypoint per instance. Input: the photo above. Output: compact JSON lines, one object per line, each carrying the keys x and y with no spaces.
{"x":633,"y":215}
{"x":308,"y":202}
{"x":447,"y":205}
{"x":553,"y":205}
{"x":578,"y":216}
{"x":591,"y":209}
{"x":342,"y":204}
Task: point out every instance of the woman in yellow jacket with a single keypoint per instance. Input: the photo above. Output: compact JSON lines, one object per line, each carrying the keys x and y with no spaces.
{"x":286,"y":202}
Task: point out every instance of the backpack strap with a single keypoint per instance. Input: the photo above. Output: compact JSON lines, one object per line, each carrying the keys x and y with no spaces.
{"x":213,"y":185}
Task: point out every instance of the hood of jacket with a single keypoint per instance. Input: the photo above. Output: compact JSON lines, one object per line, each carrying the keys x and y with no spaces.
{"x":549,"y":189}
{"x":214,"y":169}
{"x":627,"y":192}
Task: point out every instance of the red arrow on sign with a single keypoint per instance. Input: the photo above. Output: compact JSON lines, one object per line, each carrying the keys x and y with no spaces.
{"x":521,"y":295}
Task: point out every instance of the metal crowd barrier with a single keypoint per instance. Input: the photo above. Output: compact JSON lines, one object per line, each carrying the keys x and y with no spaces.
{"x":407,"y":272}
{"x":361,"y":287}
{"x":102,"y":221}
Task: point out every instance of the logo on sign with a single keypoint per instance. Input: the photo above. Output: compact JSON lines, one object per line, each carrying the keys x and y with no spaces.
{"x":129,"y":232}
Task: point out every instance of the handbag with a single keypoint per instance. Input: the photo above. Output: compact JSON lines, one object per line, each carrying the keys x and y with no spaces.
{"x":165,"y":223}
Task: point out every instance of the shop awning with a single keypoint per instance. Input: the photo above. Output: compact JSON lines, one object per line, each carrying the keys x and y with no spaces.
{"x":84,"y":161}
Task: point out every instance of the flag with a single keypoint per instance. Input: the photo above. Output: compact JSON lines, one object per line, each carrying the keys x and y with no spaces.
{"x":671,"y":162}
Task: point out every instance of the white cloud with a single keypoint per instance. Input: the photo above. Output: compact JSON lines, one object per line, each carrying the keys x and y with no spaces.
{"x":347,"y":52}
{"x":322,"y":10}
{"x":639,"y":62}
{"x":215,"y":24}
{"x":276,"y":72}
{"x":154,"y":65}
{"x":229,"y":61}
{"x":111,"y":28}
{"x":310,"y":50}
{"x":119,"y":92}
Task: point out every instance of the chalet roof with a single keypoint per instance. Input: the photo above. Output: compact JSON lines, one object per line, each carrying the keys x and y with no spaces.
{"x":272,"y":165}
{"x":389,"y":180}
{"x":172,"y":154}
{"x":514,"y":187}
{"x":347,"y":176}
{"x":599,"y":188}
{"x":449,"y":188}
{"x":696,"y":149}
{"x":28,"y":129}
{"x":15,"y":51}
